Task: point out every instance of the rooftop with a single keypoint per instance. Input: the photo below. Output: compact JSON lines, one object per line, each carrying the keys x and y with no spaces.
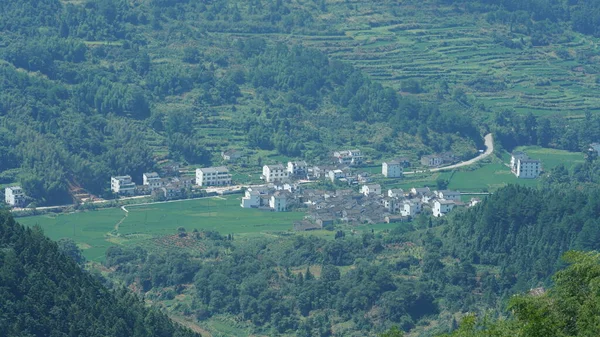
{"x":214,"y":169}
{"x":152,"y":175}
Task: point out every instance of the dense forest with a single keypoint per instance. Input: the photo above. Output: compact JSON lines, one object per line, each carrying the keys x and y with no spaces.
{"x":45,"y":293}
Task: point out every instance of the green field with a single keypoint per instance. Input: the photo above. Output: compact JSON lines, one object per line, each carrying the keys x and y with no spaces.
{"x":551,"y":157}
{"x":94,"y":231}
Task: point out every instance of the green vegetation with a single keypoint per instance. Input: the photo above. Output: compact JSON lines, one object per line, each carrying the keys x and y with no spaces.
{"x":95,"y":231}
{"x":567,"y":309}
{"x":45,"y":293}
{"x":420,"y":276}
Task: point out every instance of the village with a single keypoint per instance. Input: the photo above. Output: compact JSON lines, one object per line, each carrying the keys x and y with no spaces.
{"x":340,"y":192}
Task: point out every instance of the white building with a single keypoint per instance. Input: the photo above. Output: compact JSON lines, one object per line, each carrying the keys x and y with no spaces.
{"x":523,"y":167}
{"x":122,"y":185}
{"x":14,"y":196}
{"x":252,"y":197}
{"x":371,"y":189}
{"x":348,"y":157}
{"x":213,"y":176}
{"x":278,"y":202}
{"x":410,"y":208}
{"x":275,"y":173}
{"x":392,"y":169}
{"x":152,"y":180}
{"x":297,"y":168}
{"x":335,"y":174}
{"x":441,"y":207}
{"x":448,"y":195}
{"x":396,"y":193}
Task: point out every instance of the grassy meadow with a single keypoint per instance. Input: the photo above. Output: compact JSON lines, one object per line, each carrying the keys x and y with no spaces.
{"x":95,"y":231}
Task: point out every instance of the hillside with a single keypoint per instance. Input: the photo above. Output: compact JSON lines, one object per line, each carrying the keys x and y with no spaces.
{"x":422,"y":276}
{"x":44,"y":293}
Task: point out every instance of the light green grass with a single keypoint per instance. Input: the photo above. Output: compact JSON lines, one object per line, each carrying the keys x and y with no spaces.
{"x":95,"y":229}
{"x":87,"y":229}
{"x":551,"y":157}
{"x":489,"y":177}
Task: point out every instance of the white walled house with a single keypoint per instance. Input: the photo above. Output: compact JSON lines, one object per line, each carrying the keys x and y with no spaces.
{"x":396,"y":193}
{"x":252,"y":198}
{"x":14,"y":196}
{"x":524,"y":167}
{"x":275,"y":173}
{"x":432,"y":160}
{"x":152,"y":180}
{"x":448,"y":195}
{"x":213,"y":176}
{"x":122,"y":185}
{"x":335,"y":174}
{"x":348,"y":157}
{"x":297,"y":168}
{"x":391,"y":169}
{"x":278,"y":202}
{"x":441,"y":207}
{"x":371,"y":189}
{"x":410,"y":208}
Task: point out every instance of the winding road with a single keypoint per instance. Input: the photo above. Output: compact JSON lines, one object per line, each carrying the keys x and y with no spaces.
{"x":489,"y":148}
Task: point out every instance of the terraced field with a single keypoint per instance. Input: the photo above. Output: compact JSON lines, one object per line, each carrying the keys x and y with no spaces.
{"x":432,"y":44}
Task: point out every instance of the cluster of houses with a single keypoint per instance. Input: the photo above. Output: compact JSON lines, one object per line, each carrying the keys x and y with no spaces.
{"x":372,"y":205}
{"x":153,"y":184}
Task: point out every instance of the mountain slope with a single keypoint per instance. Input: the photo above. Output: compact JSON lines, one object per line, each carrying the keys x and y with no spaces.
{"x":43,"y":293}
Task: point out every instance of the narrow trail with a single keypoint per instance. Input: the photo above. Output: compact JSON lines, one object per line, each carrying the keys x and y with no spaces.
{"x":123,"y":219}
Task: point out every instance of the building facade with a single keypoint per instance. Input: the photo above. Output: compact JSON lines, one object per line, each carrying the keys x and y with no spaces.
{"x":348,"y":157}
{"x":392,"y":169}
{"x":297,"y":168}
{"x":275,"y":173}
{"x":152,"y":180}
{"x":524,"y":167}
{"x":122,"y":185}
{"x":213,"y":176}
{"x":14,"y":196}
{"x":441,"y":207}
{"x":432,"y":160}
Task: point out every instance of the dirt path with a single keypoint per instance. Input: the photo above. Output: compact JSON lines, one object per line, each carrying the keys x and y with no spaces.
{"x":489,"y":144}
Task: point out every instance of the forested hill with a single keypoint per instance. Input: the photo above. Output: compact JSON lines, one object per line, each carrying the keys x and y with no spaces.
{"x":44,"y":293}
{"x":523,"y":232}
{"x":108,"y":87}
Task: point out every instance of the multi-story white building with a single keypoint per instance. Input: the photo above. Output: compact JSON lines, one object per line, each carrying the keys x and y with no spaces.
{"x":410,"y":208}
{"x":275,"y":173}
{"x":524,"y":167}
{"x":213,"y":176}
{"x":392,"y":169}
{"x":152,"y":180}
{"x":278,"y":202}
{"x":441,"y":207}
{"x":349,"y":157}
{"x":14,"y":196}
{"x":122,"y":185}
{"x":297,"y":168}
